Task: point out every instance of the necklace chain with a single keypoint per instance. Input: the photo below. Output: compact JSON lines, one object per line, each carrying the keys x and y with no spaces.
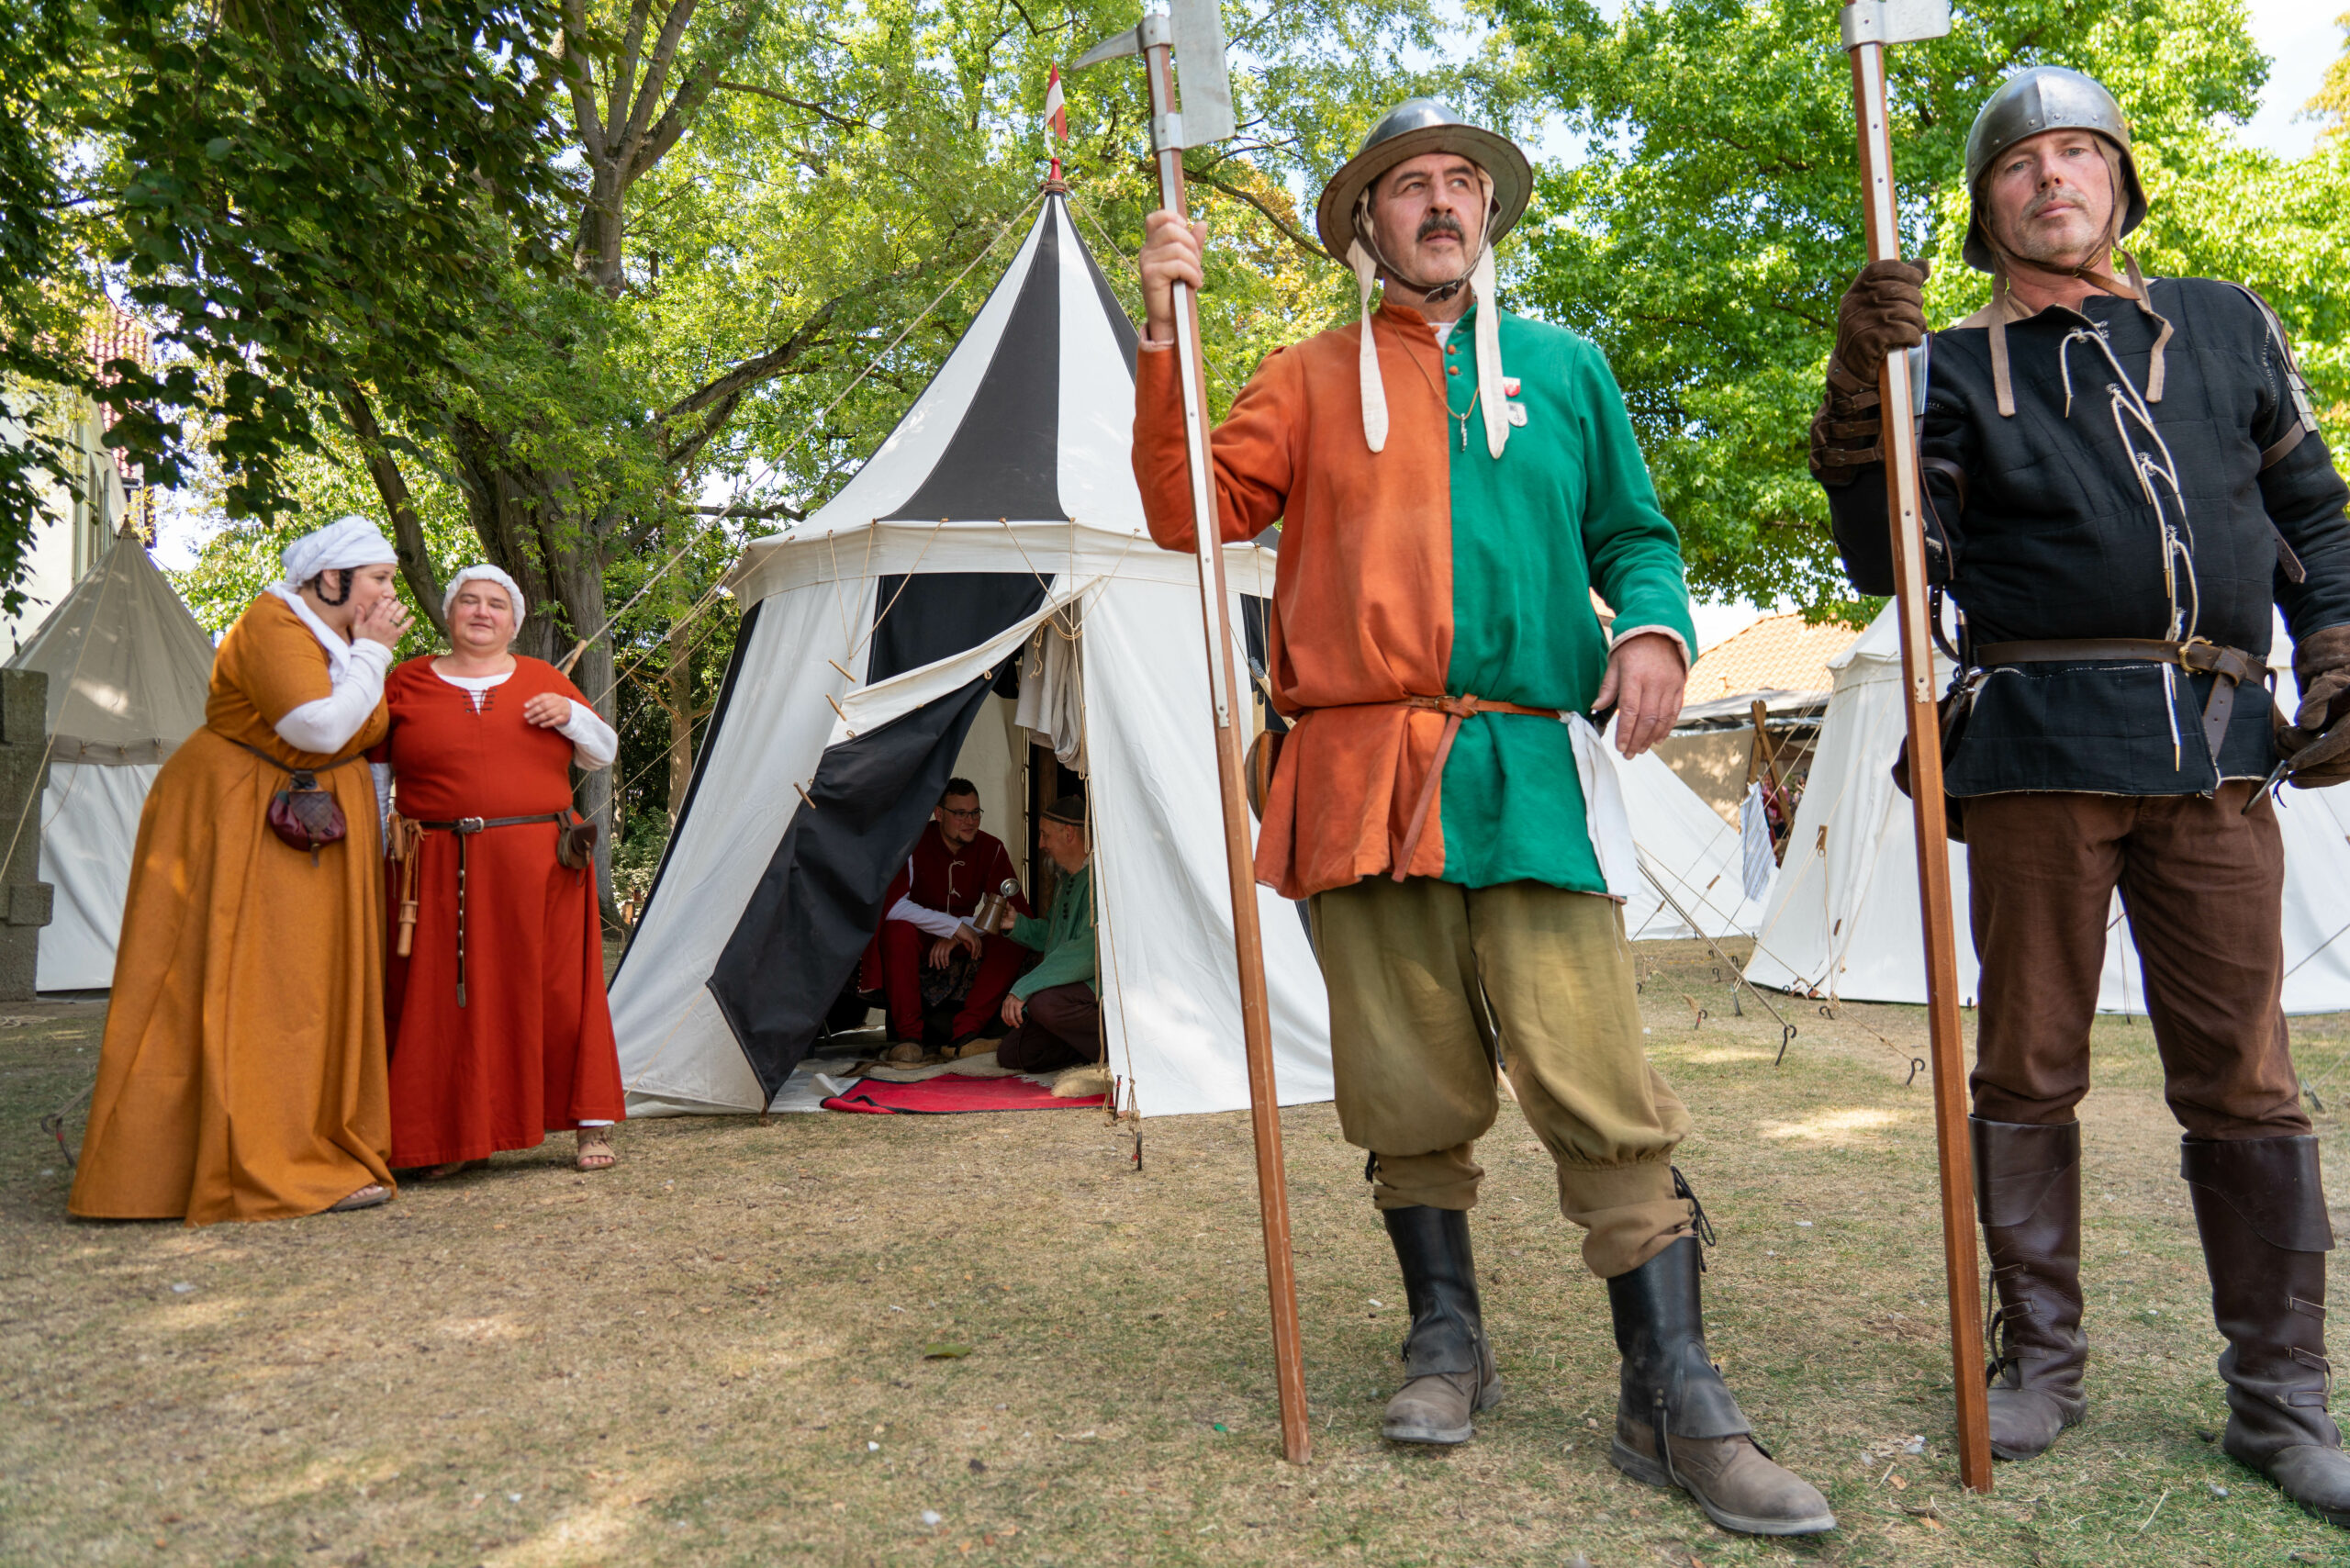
{"x":1444,"y":395}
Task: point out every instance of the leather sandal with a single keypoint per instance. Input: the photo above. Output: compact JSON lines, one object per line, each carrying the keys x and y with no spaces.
{"x":596,"y":1149}
{"x":373,"y":1195}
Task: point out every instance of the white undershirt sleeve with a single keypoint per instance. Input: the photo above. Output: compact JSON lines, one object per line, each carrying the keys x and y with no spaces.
{"x":938,"y":922}
{"x":594,"y":743}
{"x":382,"y":774}
{"x":327,"y":723}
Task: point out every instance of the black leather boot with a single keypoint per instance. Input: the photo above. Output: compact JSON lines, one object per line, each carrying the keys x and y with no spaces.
{"x":1670,"y":1384}
{"x":1448,"y":1367}
{"x":2261,"y":1209}
{"x":2027,"y":1195}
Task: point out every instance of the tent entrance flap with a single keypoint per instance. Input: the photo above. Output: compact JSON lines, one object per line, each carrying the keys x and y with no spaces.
{"x":809,"y":919}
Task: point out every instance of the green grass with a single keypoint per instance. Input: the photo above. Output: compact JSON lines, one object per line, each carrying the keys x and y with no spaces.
{"x":692,"y":1358}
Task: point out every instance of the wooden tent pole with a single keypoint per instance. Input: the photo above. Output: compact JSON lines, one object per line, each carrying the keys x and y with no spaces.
{"x":1264,"y":1107}
{"x":1868,"y":26}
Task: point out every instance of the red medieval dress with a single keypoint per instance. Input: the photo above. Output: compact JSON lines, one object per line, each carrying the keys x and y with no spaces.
{"x":529,"y":1050}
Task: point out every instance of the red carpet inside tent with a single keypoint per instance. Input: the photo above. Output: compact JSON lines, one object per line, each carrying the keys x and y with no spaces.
{"x":947,"y":1093}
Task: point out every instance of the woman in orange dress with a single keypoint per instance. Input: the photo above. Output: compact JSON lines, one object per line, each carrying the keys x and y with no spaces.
{"x":242,"y":1072}
{"x":499,"y":1028}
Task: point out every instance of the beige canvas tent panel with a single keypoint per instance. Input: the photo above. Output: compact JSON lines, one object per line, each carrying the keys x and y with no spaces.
{"x":127,"y":668}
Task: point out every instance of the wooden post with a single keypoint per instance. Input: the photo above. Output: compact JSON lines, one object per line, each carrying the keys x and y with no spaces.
{"x":1264,"y":1108}
{"x":1946,"y":1048}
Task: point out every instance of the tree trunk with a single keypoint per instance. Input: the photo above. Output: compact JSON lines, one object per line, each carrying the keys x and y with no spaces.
{"x":576,"y":566}
{"x":528,"y":526}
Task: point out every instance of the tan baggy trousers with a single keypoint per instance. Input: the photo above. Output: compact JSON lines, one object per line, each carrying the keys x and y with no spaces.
{"x":1430,"y":982}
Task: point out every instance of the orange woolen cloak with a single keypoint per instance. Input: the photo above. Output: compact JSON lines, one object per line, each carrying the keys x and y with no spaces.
{"x":242,"y":1073}
{"x":531,"y":1051}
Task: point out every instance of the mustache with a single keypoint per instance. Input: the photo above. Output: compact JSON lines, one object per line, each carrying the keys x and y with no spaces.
{"x":1442,"y":223}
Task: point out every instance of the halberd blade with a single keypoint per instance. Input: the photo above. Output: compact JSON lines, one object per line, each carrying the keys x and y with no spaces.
{"x":1117,"y":46}
{"x":1200,"y":74}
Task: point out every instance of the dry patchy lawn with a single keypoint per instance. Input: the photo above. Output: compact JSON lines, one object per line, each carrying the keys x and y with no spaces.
{"x":715,"y":1353}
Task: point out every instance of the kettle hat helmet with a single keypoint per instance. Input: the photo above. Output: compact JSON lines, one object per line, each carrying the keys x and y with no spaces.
{"x":1411,"y":129}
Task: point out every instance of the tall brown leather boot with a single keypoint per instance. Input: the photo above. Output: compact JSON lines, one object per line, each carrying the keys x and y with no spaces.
{"x":2261,"y":1209}
{"x":1448,"y":1372}
{"x":2027,"y":1195}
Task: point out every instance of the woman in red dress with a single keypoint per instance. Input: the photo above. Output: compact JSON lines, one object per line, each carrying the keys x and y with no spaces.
{"x":499,"y":1026}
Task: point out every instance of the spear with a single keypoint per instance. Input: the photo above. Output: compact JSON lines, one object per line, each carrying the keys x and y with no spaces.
{"x":1193,"y":32}
{"x":1869,"y":27}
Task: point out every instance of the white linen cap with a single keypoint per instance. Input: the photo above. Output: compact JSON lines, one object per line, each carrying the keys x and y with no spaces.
{"x":346,"y":542}
{"x":486,"y":573}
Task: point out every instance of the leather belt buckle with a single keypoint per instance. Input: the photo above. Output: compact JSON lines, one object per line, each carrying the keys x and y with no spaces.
{"x":472,"y":824}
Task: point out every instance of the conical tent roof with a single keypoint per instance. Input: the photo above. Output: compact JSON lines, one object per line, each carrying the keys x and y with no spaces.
{"x":1019,"y":450}
{"x":128,"y":666}
{"x":128,"y":669}
{"x":1005,"y":496}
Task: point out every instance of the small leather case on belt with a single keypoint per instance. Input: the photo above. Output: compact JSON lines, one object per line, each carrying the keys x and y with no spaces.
{"x":1257,"y":770}
{"x":575,"y":844}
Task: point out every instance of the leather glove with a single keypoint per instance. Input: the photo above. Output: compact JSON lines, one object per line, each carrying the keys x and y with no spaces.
{"x":1885,"y":310}
{"x":2321,"y":667}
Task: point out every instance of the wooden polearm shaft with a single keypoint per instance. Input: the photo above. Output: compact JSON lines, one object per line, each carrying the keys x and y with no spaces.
{"x":1256,"y":1023}
{"x":1946,"y":1043}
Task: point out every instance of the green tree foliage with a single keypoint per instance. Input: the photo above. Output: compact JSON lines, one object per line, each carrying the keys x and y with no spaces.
{"x":787,"y":215}
{"x":1705,"y":239}
{"x":296,"y":197}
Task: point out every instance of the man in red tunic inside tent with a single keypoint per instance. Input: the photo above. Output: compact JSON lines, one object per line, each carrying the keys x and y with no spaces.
{"x":941,"y":981}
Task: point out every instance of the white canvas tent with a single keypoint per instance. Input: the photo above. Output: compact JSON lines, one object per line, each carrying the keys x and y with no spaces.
{"x":998,"y":523}
{"x":1843,"y":920}
{"x":79,"y":520}
{"x":128,"y":669}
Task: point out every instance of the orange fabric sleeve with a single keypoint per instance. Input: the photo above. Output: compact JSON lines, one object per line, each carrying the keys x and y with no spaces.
{"x":274,"y":660}
{"x":1255,"y":450}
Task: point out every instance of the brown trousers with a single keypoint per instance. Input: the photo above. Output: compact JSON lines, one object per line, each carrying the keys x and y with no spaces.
{"x":2202,"y":881}
{"x":1430,"y":980}
{"x":1061,"y":1028}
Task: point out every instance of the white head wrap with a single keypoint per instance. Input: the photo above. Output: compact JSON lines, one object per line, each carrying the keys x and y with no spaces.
{"x":346,"y":542}
{"x":485,"y":573}
{"x":1493,"y":400}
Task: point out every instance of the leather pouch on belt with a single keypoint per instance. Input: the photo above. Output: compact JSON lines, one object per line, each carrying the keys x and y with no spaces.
{"x":1257,"y":770}
{"x":575,"y":844}
{"x":1952,"y":710}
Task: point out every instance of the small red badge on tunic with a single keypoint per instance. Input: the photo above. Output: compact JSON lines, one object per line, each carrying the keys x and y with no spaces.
{"x":1509,"y":385}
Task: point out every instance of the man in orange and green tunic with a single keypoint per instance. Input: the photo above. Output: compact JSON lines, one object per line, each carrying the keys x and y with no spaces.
{"x":1443,"y":525}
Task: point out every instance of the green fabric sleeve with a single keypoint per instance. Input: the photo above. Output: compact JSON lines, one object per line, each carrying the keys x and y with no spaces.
{"x":1031,"y":932}
{"x":1634,"y":551}
{"x":1072,"y":961}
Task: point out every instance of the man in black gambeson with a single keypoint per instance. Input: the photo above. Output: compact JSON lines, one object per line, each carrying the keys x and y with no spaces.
{"x":2122,"y":477}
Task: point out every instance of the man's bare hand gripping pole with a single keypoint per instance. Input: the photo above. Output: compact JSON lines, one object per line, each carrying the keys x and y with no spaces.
{"x":1193,"y":30}
{"x":1869,"y":27}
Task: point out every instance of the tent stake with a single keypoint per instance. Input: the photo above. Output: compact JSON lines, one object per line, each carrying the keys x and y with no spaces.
{"x":1868,"y":26}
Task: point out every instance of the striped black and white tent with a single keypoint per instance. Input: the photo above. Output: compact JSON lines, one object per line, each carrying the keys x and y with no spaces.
{"x":984,"y":579}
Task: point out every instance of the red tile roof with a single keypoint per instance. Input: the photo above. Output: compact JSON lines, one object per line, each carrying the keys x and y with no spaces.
{"x":1778,"y":653}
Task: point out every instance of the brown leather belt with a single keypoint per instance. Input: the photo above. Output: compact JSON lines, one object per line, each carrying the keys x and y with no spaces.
{"x":1455,"y":709}
{"x":464,"y":828}
{"x":2230,"y":664}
